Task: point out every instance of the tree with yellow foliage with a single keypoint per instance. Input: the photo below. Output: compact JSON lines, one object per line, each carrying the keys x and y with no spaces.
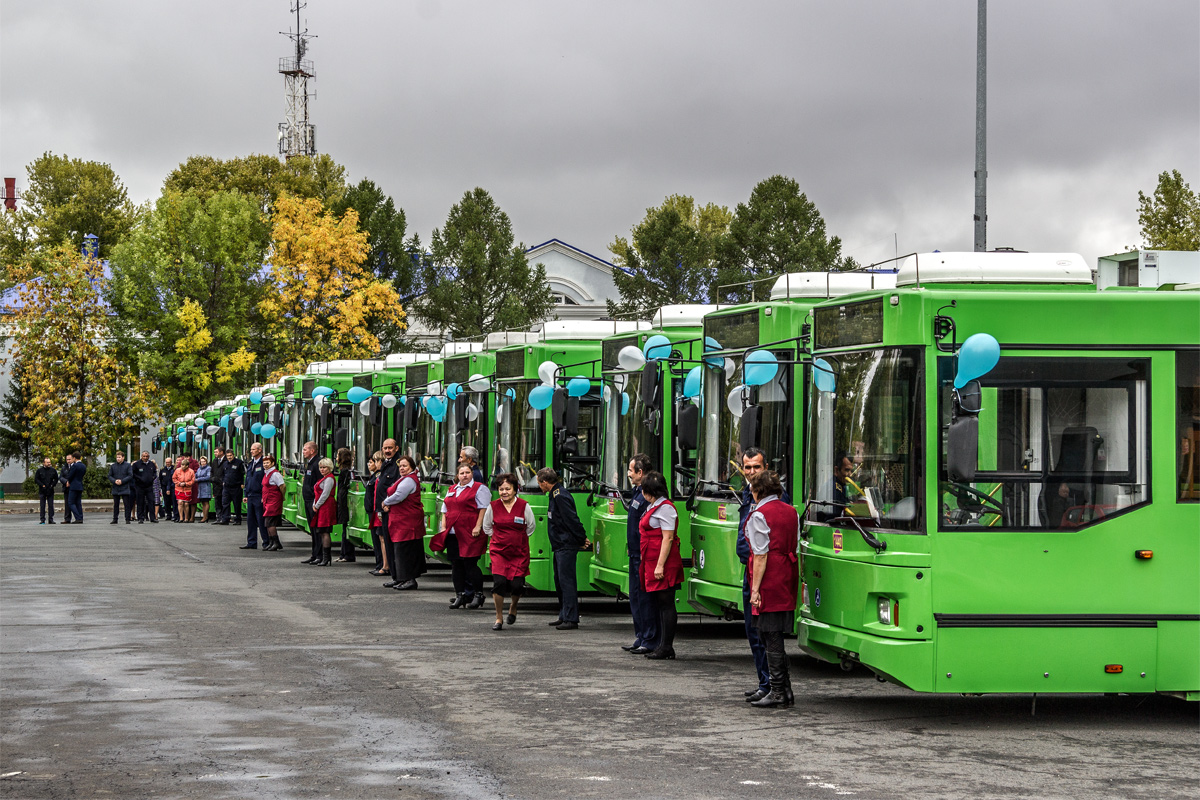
{"x":319,"y":300}
{"x":81,"y":396}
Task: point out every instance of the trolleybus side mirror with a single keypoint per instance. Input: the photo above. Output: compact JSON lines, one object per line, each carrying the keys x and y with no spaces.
{"x":341,"y":438}
{"x":375,"y":415}
{"x":276,"y":414}
{"x":460,"y":411}
{"x":412,"y":410}
{"x":648,"y":389}
{"x":689,"y":426}
{"x":748,"y":432}
{"x":558,"y":407}
{"x":962,"y":438}
{"x":571,"y":416}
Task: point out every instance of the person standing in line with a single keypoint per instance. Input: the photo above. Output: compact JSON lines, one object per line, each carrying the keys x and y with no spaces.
{"x":772,"y":532}
{"x":470,"y":456}
{"x":166,"y":484}
{"x":232,"y":480}
{"x":462,"y":530}
{"x":662,"y":565}
{"x":645,"y":619}
{"x":74,"y":481}
{"x":754,"y":461}
{"x":46,"y":479}
{"x":325,"y":506}
{"x":218,"y":479}
{"x":255,"y":529}
{"x":508,"y":523}
{"x":145,"y":474}
{"x":158,"y":497}
{"x":406,"y":525}
{"x":185,"y":486}
{"x":374,"y":463}
{"x":272,"y":501}
{"x":120,"y":478}
{"x":389,"y":473}
{"x":204,"y":490}
{"x":567,"y":538}
{"x":345,"y":459}
{"x":308,"y":493}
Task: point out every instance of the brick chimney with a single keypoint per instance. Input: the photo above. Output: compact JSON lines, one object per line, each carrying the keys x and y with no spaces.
{"x":10,"y":194}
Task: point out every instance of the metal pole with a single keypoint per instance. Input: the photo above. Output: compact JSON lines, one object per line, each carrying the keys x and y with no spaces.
{"x":981,"y":131}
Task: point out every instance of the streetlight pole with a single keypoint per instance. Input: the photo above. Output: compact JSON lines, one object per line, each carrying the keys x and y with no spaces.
{"x":981,"y":130}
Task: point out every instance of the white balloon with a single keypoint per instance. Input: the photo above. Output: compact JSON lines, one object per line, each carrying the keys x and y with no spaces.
{"x":631,"y":358}
{"x":472,"y":412}
{"x":499,"y":413}
{"x":607,"y":393}
{"x":434,"y":387}
{"x":365,"y":407}
{"x":730,"y":368}
{"x":478,"y":383}
{"x":389,"y":401}
{"x":619,"y":382}
{"x":546,"y":372}
{"x":319,"y":402}
{"x":211,"y":429}
{"x":735,"y":403}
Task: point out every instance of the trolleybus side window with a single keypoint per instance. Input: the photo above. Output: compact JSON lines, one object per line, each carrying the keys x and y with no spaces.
{"x":1063,"y":443}
{"x":520,"y":435}
{"x":1187,"y":424}
{"x":865,"y":456}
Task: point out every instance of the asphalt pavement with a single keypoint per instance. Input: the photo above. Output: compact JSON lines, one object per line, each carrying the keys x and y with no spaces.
{"x":162,"y":661}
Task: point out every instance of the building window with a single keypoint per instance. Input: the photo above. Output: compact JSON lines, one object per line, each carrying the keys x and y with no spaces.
{"x":563,"y":300}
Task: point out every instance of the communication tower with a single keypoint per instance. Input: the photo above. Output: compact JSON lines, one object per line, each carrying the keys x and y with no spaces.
{"x":297,"y":136}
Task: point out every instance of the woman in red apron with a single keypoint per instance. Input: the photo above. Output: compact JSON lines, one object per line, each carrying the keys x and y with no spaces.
{"x":325,"y":507}
{"x":461,"y":534}
{"x":272,"y":497}
{"x":662,"y":566}
{"x":508,"y":523}
{"x":771,"y":531}
{"x":405,"y":525}
{"x":185,"y":489}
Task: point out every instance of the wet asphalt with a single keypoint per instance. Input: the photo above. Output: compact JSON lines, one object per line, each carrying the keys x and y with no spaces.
{"x":161,"y":661}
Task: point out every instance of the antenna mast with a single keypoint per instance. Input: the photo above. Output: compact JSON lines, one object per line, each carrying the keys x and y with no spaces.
{"x":297,"y":136}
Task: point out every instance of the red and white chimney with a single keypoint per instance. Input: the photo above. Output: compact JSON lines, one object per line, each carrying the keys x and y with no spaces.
{"x":10,"y":194}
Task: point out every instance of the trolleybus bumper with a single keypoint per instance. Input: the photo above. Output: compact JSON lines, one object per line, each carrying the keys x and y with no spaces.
{"x":908,"y":662}
{"x":716,"y":599}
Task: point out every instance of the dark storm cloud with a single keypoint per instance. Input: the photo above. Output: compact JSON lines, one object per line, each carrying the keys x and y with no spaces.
{"x":577,"y":116}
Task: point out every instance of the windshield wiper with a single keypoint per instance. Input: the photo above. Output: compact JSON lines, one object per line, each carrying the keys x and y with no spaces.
{"x":871,"y":541}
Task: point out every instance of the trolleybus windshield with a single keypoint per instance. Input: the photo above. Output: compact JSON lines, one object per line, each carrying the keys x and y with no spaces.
{"x":425,"y":447}
{"x":865,"y":440}
{"x":520,"y":435}
{"x":628,"y":431}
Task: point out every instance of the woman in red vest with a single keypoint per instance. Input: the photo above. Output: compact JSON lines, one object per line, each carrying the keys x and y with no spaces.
{"x":405,"y":525}
{"x":771,"y":531}
{"x":662,"y":566}
{"x":272,"y":497}
{"x":325,"y":507}
{"x":461,"y":531}
{"x":508,"y":523}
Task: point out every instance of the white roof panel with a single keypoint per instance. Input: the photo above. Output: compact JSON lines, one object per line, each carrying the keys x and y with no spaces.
{"x":400,"y":359}
{"x":565,"y":330}
{"x":681,"y":316}
{"x":829,"y":284}
{"x":1000,"y":267}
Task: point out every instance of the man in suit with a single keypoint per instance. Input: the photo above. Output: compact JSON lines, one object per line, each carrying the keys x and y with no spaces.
{"x":166,"y":484}
{"x":74,"y":481}
{"x":567,"y":538}
{"x":232,"y":481}
{"x":145,"y":472}
{"x":254,"y":502}
{"x":218,"y":488}
{"x":46,"y":479}
{"x":120,"y":478}
{"x":308,"y":492}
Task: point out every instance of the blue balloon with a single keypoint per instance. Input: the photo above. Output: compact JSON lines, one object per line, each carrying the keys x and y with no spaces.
{"x":624,"y":404}
{"x":436,"y":407}
{"x":510,"y":393}
{"x":256,"y":428}
{"x":256,"y":397}
{"x":823,"y":376}
{"x":691,"y":384}
{"x":977,"y":357}
{"x":711,"y":344}
{"x":425,"y":401}
{"x":357,"y":394}
{"x":224,"y":421}
{"x":182,"y":429}
{"x":183,"y":437}
{"x":656,"y":347}
{"x":401,"y":399}
{"x":541,"y":397}
{"x":240,"y":410}
{"x":452,"y":390}
{"x":761,"y":367}
{"x":578,"y":387}
{"x":267,"y":431}
{"x":322,"y":390}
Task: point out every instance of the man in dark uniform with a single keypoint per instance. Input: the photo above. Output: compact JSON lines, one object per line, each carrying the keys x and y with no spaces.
{"x":74,"y":481}
{"x":46,"y":479}
{"x":470,"y":457}
{"x":231,"y":487}
{"x":567,"y":538}
{"x":645,"y":618}
{"x":166,"y":482}
{"x":308,"y":491}
{"x":218,"y":489}
{"x":254,"y":505}
{"x":388,"y":474}
{"x":145,"y":472}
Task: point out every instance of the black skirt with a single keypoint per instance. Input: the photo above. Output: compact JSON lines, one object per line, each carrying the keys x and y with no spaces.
{"x":774,"y":621}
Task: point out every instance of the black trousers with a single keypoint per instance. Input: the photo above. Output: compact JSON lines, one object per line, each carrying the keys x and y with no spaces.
{"x":144,"y":496}
{"x":310,"y":514}
{"x":217,"y":498}
{"x":408,"y":560}
{"x":231,"y":505}
{"x":464,"y":572}
{"x":170,"y":507}
{"x":47,"y":502}
{"x":379,"y":541}
{"x":128,"y":498}
{"x":566,"y":584}
{"x":347,"y":548}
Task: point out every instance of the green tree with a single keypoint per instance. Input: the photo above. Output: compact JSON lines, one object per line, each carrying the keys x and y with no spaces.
{"x":670,"y":257}
{"x":265,"y":178}
{"x":475,"y":279}
{"x":778,"y":231}
{"x":65,"y":199}
{"x":14,"y":420}
{"x":184,"y":293}
{"x":1170,"y":220}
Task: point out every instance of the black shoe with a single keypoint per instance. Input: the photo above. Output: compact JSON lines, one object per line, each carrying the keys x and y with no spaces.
{"x":789,"y":699}
{"x":630,"y":647}
{"x":555,"y":623}
{"x":222,"y":523}
{"x":567,"y":626}
{"x":770,"y":700}
{"x":641,"y":650}
{"x":309,"y":560}
{"x":378,"y":572}
{"x":391,"y":584}
{"x":460,"y":600}
{"x":140,"y":521}
{"x":51,"y":522}
{"x":662,"y":654}
{"x":114,"y":522}
{"x":499,"y":626}
{"x":248,"y":547}
{"x":756,"y":695}
{"x":512,"y":619}
{"x":477,"y":602}
{"x":127,"y":522}
{"x":410,"y":584}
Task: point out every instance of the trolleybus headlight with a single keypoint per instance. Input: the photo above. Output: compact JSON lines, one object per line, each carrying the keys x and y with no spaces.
{"x":888,"y":611}
{"x":804,"y":593}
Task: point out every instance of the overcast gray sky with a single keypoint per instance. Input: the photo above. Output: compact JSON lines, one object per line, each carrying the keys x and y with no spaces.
{"x":577,"y":116}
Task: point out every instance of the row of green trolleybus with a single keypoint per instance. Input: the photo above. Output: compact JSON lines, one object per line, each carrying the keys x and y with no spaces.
{"x":1022,"y":506}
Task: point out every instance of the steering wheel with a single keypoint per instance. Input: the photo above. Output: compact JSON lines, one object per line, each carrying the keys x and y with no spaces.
{"x":975,"y":498}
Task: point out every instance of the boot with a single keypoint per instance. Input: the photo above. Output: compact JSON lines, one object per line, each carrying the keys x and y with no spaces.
{"x":789,"y":698}
{"x":775,"y":665}
{"x":460,"y":600}
{"x":326,"y":557}
{"x":477,"y":601}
